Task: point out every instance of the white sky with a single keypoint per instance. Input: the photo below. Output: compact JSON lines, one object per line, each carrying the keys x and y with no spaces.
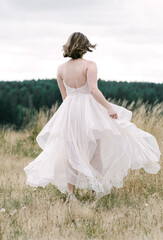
{"x":129,"y":34}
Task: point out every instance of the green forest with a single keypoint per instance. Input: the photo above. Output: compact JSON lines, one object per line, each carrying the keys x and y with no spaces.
{"x":19,"y":97}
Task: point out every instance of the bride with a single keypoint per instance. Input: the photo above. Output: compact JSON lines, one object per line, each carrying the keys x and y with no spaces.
{"x":89,"y":143}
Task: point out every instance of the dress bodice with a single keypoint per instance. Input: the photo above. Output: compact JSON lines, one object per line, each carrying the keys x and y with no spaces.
{"x":73,"y":91}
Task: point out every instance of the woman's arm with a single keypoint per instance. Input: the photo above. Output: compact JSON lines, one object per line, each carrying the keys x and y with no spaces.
{"x":60,"y":83}
{"x":97,"y":94}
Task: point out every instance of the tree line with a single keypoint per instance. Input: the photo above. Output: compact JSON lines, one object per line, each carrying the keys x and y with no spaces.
{"x":18,"y":96}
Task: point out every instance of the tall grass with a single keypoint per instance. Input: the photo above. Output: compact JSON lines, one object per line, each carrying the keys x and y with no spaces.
{"x":132,"y":212}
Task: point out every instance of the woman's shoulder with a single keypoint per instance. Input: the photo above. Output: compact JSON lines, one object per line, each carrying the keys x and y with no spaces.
{"x":89,"y":61}
{"x":90,"y":64}
{"x":60,"y":67}
{"x":86,"y":62}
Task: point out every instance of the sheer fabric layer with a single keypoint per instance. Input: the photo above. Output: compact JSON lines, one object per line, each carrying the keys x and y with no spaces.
{"x":84,"y":146}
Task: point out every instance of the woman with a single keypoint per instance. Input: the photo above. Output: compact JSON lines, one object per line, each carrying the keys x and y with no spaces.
{"x":89,"y":143}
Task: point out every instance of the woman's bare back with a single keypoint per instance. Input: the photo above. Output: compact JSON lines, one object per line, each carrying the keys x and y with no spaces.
{"x":73,"y":72}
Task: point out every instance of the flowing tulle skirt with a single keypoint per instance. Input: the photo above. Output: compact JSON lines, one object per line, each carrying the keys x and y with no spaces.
{"x":84,"y":146}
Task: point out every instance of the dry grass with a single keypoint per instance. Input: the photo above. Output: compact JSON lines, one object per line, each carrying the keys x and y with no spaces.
{"x":132,"y":212}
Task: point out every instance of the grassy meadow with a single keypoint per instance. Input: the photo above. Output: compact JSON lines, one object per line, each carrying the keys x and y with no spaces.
{"x":134,"y":212}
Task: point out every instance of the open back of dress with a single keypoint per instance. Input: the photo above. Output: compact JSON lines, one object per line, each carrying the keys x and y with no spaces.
{"x":83,"y":145}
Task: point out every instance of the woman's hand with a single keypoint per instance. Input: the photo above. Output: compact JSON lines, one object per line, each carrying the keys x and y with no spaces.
{"x":112,"y":113}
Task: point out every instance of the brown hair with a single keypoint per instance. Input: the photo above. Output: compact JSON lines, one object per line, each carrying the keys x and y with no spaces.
{"x":77,"y":45}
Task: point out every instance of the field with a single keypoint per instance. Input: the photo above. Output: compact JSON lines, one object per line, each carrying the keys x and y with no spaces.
{"x":134,"y":212}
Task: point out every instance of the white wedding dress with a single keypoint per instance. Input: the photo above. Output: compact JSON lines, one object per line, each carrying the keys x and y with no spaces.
{"x":84,"y":146}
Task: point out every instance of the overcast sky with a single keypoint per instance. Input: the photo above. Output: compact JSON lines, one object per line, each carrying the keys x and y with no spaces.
{"x":129,"y":34}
